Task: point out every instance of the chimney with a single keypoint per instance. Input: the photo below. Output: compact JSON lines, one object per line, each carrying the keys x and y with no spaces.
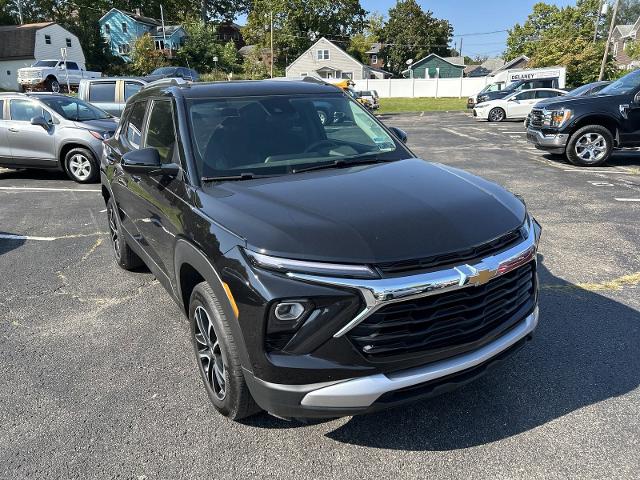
{"x":138,"y":12}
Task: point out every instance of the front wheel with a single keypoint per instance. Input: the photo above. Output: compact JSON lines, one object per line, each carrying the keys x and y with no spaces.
{"x":81,"y":165}
{"x":590,"y":146}
{"x":52,"y":85}
{"x":497,"y":115}
{"x":124,"y":256}
{"x":217,"y":356}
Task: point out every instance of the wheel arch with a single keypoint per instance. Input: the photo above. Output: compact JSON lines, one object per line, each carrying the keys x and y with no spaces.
{"x":605,"y":121}
{"x":192,"y":267}
{"x":66,"y":147}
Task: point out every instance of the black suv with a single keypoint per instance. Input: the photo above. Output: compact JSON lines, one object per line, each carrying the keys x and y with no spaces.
{"x":587,"y":129}
{"x":325,"y":270}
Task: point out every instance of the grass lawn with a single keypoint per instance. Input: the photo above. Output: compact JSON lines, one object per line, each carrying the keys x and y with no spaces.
{"x":398,"y":105}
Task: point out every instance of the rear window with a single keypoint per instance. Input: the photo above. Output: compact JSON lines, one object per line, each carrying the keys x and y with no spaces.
{"x":130,"y":89}
{"x":102,"y":92}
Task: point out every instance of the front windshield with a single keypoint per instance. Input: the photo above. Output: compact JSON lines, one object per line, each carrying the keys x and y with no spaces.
{"x":624,"y":85}
{"x":163,"y":71}
{"x":576,"y":92}
{"x":45,"y":63}
{"x":74,"y":109}
{"x":513,"y":86}
{"x":274,"y":135}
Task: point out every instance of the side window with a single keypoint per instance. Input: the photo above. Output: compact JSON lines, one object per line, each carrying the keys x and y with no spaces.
{"x":134,"y":125}
{"x":130,"y":89}
{"x":25,"y":110}
{"x":1,"y":109}
{"x":72,"y":66}
{"x":546,"y":94}
{"x":102,"y":92}
{"x":161,"y":133}
{"x":526,"y":95}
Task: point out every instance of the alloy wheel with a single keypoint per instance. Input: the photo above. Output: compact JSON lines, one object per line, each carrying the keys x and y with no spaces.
{"x":80,"y":166}
{"x":496,"y":115}
{"x":113,"y":230}
{"x":209,"y":353}
{"x":591,"y":147}
{"x":55,"y":86}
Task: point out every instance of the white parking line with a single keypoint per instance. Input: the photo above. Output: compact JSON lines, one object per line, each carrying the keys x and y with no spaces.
{"x":9,"y":236}
{"x":590,"y":170}
{"x":43,"y":189}
{"x":628,"y":199}
{"x":460,"y":134}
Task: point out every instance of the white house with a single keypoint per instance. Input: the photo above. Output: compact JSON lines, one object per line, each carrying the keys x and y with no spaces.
{"x":22,"y":45}
{"x":622,"y":36}
{"x":327,"y":60}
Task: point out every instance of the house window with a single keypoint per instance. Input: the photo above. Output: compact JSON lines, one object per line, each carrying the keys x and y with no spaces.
{"x":68,"y":40}
{"x":125,"y":27}
{"x":107,"y":29}
{"x":348,"y":75}
{"x":304,"y":74}
{"x":374,"y":58}
{"x":159,"y":44}
{"x":47,"y":39}
{"x":124,"y":49}
{"x":323,"y":55}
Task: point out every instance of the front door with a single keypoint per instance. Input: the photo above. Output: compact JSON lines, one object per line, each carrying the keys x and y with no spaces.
{"x":5,"y":152}
{"x":520,"y":104}
{"x":30,"y":145}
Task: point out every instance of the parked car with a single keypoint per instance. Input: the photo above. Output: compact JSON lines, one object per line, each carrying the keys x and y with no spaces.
{"x":586,"y":129}
{"x":53,"y":131}
{"x":325,"y":270}
{"x":492,"y":87}
{"x":518,"y":86}
{"x":370,"y":96}
{"x":515,"y":106}
{"x":173,"y":72}
{"x":52,"y":75}
{"x":582,"y":91}
{"x":110,"y":94}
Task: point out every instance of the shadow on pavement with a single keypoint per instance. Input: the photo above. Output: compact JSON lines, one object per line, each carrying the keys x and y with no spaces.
{"x":584,"y":351}
{"x":8,"y":244}
{"x":34,"y":174}
{"x":619,"y":158}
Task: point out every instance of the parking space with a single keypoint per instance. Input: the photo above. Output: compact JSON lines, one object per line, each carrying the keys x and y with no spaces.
{"x":99,"y":380}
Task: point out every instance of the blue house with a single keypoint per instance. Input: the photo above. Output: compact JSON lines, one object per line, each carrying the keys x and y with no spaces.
{"x":120,"y":30}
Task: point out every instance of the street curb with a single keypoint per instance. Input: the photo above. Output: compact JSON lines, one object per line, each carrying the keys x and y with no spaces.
{"x":420,"y":114}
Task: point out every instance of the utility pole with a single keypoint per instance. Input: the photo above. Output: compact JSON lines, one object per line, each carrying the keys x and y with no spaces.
{"x":597,"y":24}
{"x":461,"y":49}
{"x":20,"y":12}
{"x":606,"y":47}
{"x":164,"y":35}
{"x":271,"y":62}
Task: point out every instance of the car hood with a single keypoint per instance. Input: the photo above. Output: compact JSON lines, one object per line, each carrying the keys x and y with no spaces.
{"x":495,"y":95}
{"x":590,"y":100}
{"x":400,"y":210}
{"x":105,"y":125}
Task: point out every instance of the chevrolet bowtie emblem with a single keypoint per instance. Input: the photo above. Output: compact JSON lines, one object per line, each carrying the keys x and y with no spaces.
{"x":473,"y":276}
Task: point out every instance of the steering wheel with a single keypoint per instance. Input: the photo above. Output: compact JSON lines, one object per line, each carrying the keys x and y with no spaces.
{"x":314,"y":145}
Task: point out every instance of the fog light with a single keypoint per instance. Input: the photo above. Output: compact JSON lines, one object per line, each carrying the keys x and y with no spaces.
{"x":288,"y":311}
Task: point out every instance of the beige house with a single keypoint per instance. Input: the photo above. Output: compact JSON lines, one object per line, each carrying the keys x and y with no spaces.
{"x":326,"y":60}
{"x":621,"y":36}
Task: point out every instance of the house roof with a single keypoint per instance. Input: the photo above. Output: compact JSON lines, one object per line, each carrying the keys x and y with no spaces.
{"x":511,"y":63}
{"x":18,"y":41}
{"x":492,"y":64}
{"x":135,"y":16}
{"x":455,"y":61}
{"x":625,"y":30}
{"x":327,"y":40}
{"x":375,"y":48}
{"x":470,"y":68}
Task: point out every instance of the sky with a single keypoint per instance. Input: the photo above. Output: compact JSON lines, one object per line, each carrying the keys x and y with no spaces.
{"x":474,"y":16}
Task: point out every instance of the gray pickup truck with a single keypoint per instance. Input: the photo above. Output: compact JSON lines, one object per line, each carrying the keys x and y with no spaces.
{"x":110,"y":94}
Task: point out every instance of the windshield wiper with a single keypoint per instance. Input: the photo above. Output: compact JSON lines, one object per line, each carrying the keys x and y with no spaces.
{"x":362,"y":159}
{"x":225,"y":178}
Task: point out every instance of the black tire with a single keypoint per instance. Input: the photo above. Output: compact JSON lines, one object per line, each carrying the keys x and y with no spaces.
{"x":217,"y":349}
{"x":81,"y":166}
{"x":52,"y":85}
{"x":124,"y":256}
{"x":590,"y":146}
{"x":496,"y":114}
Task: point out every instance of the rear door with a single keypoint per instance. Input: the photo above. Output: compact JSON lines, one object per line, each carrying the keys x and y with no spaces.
{"x":5,"y":152}
{"x":103,"y":95}
{"x":30,"y":145}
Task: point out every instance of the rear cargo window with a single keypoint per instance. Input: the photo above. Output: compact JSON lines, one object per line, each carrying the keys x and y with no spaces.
{"x":102,"y":92}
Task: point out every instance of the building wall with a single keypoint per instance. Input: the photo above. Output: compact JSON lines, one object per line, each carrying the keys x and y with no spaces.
{"x":9,"y":72}
{"x":117,"y":35}
{"x":430,"y":65}
{"x":308,"y":62}
{"x":58,"y":35}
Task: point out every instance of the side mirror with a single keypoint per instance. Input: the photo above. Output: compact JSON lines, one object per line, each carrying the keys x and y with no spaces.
{"x":401,"y":134}
{"x":147,"y":160}
{"x":40,"y":120}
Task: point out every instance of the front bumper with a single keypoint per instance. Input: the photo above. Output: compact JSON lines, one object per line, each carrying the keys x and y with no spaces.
{"x":30,"y":81}
{"x":374,"y":392}
{"x":551,"y":142}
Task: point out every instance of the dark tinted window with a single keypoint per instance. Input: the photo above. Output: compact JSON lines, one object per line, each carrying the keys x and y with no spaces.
{"x":1,"y":109}
{"x":130,"y":89}
{"x":72,"y":66}
{"x":547,"y":94}
{"x":25,"y":110}
{"x":542,"y":84}
{"x":160,"y":132}
{"x":527,"y":95}
{"x":134,"y":126}
{"x":102,"y":92}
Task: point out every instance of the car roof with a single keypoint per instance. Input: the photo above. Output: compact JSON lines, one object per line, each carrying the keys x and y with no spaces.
{"x":240,"y":88}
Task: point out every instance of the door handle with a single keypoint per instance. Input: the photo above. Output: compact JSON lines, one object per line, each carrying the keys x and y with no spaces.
{"x":13,"y":129}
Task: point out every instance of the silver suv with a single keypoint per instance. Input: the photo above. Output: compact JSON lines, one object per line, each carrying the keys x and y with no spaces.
{"x":52,"y":131}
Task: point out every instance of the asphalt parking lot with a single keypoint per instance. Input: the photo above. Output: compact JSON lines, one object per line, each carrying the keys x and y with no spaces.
{"x":98,"y":378}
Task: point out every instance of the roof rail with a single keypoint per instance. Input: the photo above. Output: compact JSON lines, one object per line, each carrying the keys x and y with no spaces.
{"x":173,"y":81}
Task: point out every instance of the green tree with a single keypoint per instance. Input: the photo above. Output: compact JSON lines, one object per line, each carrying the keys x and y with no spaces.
{"x":144,"y":56}
{"x":361,"y":42}
{"x":299,"y":23}
{"x":254,"y":66}
{"x":412,"y":33}
{"x":628,"y":12}
{"x":561,"y":36}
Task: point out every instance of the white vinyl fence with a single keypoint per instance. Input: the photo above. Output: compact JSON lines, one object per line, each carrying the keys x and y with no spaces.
{"x":421,"y":87}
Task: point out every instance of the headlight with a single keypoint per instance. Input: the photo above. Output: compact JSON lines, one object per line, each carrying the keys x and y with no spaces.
{"x":286,"y":265}
{"x":100,"y":135}
{"x":556,"y":118}
{"x":482,"y":98}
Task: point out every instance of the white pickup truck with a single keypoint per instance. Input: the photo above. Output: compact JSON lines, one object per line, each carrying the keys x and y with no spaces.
{"x":51,"y":75}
